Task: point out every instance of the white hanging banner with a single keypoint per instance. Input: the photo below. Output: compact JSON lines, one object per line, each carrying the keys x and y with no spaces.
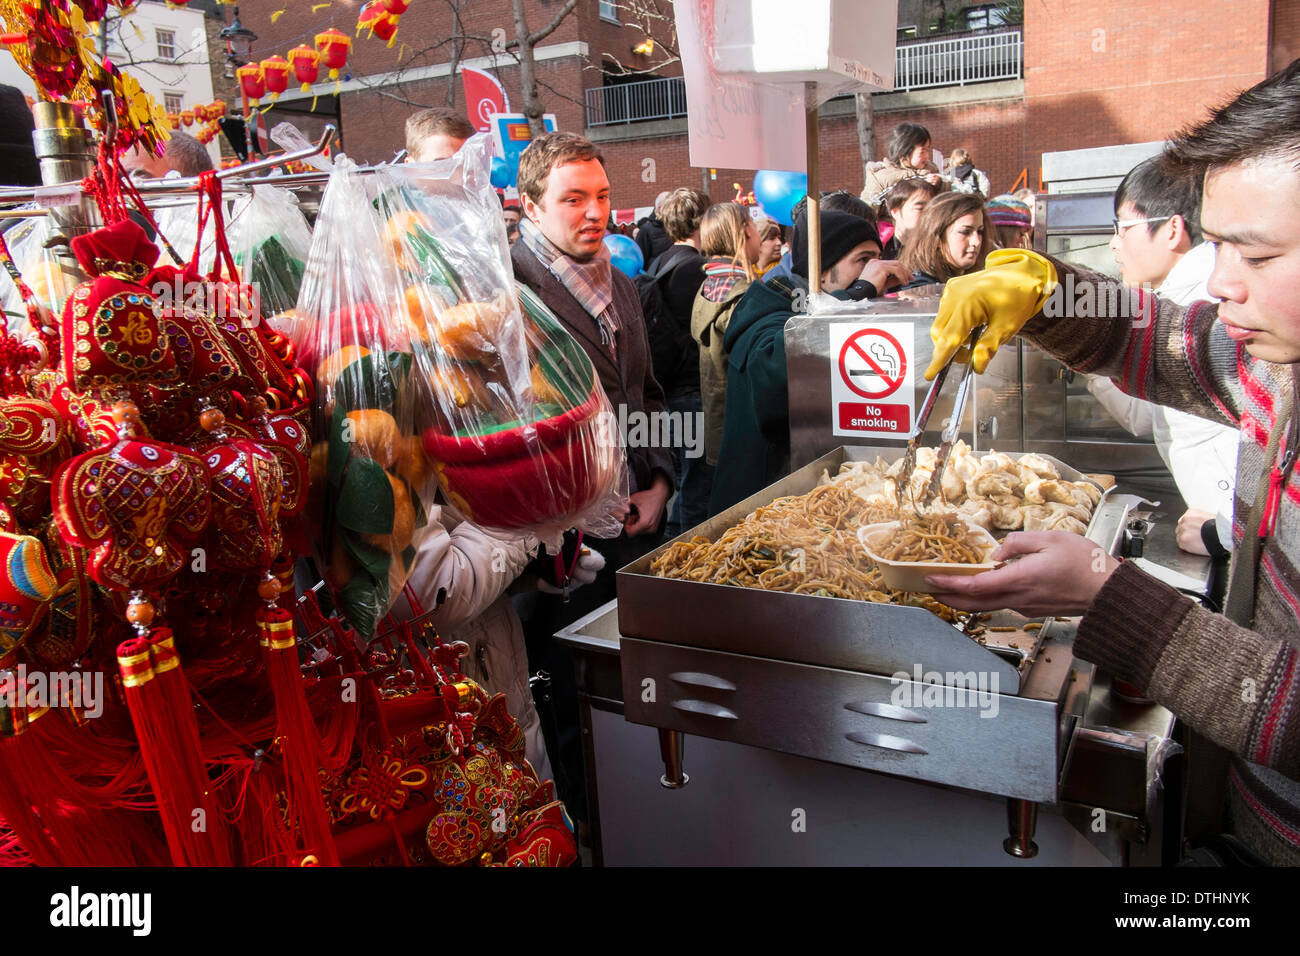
{"x":734,"y":122}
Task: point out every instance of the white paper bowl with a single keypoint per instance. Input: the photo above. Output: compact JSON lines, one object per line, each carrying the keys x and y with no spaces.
{"x":911,"y":575}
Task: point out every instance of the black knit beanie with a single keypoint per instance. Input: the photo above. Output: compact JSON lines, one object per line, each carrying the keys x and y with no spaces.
{"x":841,"y":233}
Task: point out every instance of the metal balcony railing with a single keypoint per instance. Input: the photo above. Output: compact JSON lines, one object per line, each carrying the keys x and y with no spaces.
{"x":952,"y":61}
{"x":956,"y":61}
{"x":636,"y":102}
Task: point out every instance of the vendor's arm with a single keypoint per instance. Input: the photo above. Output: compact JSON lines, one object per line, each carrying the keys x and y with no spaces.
{"x":1237,"y":687}
{"x":1153,"y":349}
{"x":470,"y":565}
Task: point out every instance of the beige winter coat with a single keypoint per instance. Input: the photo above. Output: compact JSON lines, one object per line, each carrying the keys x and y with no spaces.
{"x":881,"y":177}
{"x":475,"y":568}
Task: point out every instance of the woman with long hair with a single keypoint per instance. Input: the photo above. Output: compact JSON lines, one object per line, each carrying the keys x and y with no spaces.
{"x":731,"y":242}
{"x":949,"y":240}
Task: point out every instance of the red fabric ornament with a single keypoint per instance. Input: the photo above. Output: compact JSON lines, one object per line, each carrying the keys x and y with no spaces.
{"x":333,"y":48}
{"x":378,"y":21}
{"x":254,"y":486}
{"x":306,"y":66}
{"x":275,"y":71}
{"x":110,"y":334}
{"x":252,"y":81}
{"x":138,"y":505}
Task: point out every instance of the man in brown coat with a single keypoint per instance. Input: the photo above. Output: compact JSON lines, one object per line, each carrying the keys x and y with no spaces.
{"x":561,"y":256}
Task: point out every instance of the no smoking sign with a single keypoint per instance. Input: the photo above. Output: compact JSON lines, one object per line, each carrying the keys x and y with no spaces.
{"x":871,"y":380}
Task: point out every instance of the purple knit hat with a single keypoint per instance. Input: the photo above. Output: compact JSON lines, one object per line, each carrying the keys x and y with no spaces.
{"x":1007,"y":210}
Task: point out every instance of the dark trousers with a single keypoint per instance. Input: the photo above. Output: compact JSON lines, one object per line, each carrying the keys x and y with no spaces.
{"x":550,"y":613}
{"x":694,"y":475}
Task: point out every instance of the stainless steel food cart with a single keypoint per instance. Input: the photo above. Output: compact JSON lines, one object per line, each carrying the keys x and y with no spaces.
{"x":726,"y":725}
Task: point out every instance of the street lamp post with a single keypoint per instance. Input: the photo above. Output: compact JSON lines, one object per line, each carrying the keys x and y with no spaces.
{"x":239,"y":43}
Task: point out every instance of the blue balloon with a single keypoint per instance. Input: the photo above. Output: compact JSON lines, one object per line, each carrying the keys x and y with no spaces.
{"x":624,"y":255}
{"x":500,"y":173}
{"x":777,"y":191}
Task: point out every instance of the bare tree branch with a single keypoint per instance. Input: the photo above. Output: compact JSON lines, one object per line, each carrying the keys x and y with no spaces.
{"x":544,"y":32}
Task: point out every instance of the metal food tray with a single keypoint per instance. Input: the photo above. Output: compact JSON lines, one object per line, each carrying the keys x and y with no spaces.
{"x":833,"y":632}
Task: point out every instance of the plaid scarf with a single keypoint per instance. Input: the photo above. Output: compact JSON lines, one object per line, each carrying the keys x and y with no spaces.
{"x":590,"y":281}
{"x":721,"y":273}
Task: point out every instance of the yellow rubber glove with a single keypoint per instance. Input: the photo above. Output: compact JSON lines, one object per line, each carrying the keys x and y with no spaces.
{"x":1006,"y":294}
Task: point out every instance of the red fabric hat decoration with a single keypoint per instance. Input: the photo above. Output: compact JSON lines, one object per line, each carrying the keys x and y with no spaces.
{"x":306,"y":66}
{"x":333,"y":47}
{"x":111,"y":336}
{"x":276,"y":71}
{"x":378,"y":21}
{"x":252,"y":81}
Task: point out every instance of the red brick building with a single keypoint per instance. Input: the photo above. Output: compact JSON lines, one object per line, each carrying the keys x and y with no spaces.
{"x":1075,"y":74}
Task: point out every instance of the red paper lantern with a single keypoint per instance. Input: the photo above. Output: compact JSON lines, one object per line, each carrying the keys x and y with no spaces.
{"x":378,"y":21}
{"x":217,"y":109}
{"x":333,"y":48}
{"x":306,"y":66}
{"x":395,"y":7}
{"x":174,"y":120}
{"x":187,"y":117}
{"x":276,"y":71}
{"x":252,"y":82}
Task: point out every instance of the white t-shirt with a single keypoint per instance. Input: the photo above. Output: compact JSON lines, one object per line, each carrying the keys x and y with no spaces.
{"x":1200,"y":454}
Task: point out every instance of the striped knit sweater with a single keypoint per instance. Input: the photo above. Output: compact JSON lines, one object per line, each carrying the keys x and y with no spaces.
{"x":1238,"y":687}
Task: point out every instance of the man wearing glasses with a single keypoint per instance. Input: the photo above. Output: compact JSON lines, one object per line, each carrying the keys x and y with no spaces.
{"x":1158,"y":245}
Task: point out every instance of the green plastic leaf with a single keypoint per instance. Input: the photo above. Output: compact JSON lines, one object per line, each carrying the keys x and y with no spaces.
{"x":365,"y":500}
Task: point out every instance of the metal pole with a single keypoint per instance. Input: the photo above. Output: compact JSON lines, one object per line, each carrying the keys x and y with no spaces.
{"x":814,"y":202}
{"x":64,"y":152}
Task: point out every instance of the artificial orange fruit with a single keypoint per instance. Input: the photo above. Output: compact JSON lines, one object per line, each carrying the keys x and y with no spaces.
{"x":395,"y":233}
{"x":374,"y":433}
{"x":328,"y":371}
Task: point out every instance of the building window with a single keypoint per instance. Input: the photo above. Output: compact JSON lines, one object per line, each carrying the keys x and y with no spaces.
{"x":173,"y":102}
{"x":166,"y":44}
{"x":608,"y":10}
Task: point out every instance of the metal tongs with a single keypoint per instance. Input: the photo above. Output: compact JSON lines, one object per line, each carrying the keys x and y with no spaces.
{"x":951,"y":428}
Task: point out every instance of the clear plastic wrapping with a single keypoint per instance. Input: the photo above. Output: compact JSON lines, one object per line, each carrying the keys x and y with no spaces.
{"x":431,"y":367}
{"x":270,"y":239}
{"x":50,"y":278}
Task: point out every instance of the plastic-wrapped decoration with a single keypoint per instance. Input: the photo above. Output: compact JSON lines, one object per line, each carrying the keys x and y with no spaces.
{"x":271,"y":240}
{"x":509,"y":407}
